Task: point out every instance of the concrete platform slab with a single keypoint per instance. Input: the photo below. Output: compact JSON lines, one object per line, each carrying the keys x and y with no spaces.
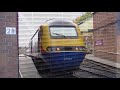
{"x":104,"y":61}
{"x":27,"y":68}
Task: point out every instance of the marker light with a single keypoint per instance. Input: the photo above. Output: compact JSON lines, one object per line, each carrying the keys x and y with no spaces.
{"x":57,"y":49}
{"x":77,"y":48}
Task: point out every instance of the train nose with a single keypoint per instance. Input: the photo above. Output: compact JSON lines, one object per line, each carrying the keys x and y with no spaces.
{"x":65,"y":60}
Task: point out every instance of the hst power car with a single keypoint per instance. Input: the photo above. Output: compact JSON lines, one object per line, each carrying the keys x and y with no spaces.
{"x":58,"y":46}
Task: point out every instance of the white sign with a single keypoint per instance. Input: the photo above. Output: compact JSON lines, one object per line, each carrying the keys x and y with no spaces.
{"x":99,"y":42}
{"x":11,"y":30}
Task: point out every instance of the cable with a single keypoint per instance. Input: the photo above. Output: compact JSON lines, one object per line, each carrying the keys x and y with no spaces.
{"x":117,"y":21}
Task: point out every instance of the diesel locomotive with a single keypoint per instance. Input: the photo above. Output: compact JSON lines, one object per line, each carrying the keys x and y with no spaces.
{"x":58,"y":45}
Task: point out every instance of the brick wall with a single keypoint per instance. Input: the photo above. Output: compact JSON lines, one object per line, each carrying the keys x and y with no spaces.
{"x":8,"y":46}
{"x":118,"y":48}
{"x":118,"y":36}
{"x":106,"y":35}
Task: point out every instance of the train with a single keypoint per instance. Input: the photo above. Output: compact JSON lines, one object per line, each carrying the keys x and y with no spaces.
{"x":58,"y":45}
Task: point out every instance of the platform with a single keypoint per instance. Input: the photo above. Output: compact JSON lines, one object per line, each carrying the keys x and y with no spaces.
{"x":27,"y":68}
{"x":104,"y":61}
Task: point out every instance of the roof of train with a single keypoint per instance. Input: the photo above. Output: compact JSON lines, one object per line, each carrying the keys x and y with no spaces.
{"x":60,"y":23}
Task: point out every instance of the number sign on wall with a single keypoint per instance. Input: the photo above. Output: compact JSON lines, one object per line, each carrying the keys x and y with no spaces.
{"x":11,"y":30}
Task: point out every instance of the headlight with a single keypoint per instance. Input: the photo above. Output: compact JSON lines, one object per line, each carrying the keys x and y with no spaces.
{"x":79,"y":49}
{"x":83,"y":49}
{"x":49,"y":49}
{"x":58,"y":49}
{"x":76,"y":48}
{"x":53,"y":49}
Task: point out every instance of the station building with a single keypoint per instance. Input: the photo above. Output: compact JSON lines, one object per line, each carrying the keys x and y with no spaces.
{"x":106,"y":34}
{"x":86,"y":28}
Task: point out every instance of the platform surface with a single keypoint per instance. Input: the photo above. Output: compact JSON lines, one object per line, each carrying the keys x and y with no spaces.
{"x":27,"y":68}
{"x":104,"y":61}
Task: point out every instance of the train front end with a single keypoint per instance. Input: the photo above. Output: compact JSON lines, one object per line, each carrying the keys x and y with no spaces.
{"x":62,"y":46}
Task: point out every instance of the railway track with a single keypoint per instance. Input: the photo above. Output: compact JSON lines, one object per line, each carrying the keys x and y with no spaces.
{"x":88,"y":69}
{"x":57,"y":75}
{"x":92,"y":69}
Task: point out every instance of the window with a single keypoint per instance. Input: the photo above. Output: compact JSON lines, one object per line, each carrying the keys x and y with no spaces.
{"x":63,"y":32}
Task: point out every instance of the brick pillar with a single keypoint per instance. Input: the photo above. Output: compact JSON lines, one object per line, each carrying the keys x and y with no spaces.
{"x":118,"y":36}
{"x":8,"y":46}
{"x":106,"y":35}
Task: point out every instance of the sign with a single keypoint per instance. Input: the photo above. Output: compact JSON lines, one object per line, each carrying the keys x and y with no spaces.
{"x":99,"y":42}
{"x":11,"y":30}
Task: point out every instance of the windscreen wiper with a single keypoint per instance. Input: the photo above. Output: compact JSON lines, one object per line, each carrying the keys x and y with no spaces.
{"x":59,"y":34}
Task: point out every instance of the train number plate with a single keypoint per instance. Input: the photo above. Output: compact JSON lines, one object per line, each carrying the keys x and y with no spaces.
{"x":67,"y":58}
